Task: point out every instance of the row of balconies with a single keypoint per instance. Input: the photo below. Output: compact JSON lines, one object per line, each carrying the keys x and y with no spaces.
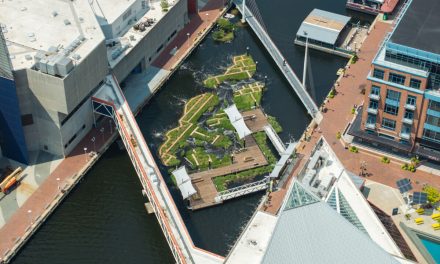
{"x":376,"y":97}
{"x":404,"y":135}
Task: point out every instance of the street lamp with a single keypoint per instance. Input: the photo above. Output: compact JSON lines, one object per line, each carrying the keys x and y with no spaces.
{"x":58,"y":183}
{"x":85,"y":153}
{"x":102,"y":133}
{"x":30,"y":216}
{"x":265,"y":80}
{"x":94,"y":144}
{"x":187,"y":34}
{"x":247,"y":51}
{"x":256,"y":66}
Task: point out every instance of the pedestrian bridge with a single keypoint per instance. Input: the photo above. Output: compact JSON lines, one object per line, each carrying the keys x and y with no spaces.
{"x":250,"y":13}
{"x":109,"y":101}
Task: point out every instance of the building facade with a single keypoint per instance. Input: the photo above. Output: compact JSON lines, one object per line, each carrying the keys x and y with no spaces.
{"x":49,"y":72}
{"x":401,"y":111}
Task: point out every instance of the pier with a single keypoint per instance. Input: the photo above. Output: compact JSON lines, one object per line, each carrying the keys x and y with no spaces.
{"x":109,"y":101}
{"x":256,"y":23}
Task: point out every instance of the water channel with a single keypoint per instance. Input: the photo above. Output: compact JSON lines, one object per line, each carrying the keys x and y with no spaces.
{"x":104,"y":220}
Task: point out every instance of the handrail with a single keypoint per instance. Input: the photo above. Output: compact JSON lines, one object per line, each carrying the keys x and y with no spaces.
{"x":242,"y":187}
{"x":291,"y":77}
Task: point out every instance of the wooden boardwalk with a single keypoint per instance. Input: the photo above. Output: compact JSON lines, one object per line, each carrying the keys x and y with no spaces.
{"x":251,"y":158}
{"x":255,"y":119}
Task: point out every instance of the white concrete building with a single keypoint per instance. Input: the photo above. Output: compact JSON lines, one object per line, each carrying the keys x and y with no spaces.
{"x":60,"y":53}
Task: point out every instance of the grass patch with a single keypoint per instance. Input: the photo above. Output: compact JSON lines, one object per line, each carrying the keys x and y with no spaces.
{"x":221,"y":182}
{"x":261,"y":139}
{"x":249,"y":96}
{"x":274,"y":123}
{"x":243,"y":68}
{"x":200,"y":159}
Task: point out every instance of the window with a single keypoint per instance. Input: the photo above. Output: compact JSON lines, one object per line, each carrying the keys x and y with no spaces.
{"x":406,"y":129}
{"x":391,"y":109}
{"x":371,"y":119}
{"x":396,"y":78}
{"x":408,"y":114}
{"x":433,"y":105}
{"x":27,"y":120}
{"x":432,"y":120}
{"x":411,"y":100}
{"x":378,"y":74}
{"x":414,"y":83}
{"x":393,"y":95}
{"x":375,"y":90}
{"x":373,"y":105}
{"x":431,"y":135}
{"x":386,"y":136}
{"x":388,"y":124}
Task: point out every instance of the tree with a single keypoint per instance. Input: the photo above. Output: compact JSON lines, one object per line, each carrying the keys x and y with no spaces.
{"x":164,"y":5}
{"x":225,"y":24}
{"x":433,"y":194}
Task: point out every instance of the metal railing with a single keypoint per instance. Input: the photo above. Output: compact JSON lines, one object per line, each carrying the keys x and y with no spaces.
{"x":243,"y":190}
{"x":285,"y":68}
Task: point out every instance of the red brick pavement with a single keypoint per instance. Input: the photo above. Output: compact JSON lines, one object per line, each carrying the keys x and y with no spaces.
{"x":199,"y":23}
{"x":339,"y":115}
{"x":15,"y":228}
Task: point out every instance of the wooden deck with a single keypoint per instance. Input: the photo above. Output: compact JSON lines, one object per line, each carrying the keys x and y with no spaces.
{"x":255,"y":119}
{"x":251,"y":158}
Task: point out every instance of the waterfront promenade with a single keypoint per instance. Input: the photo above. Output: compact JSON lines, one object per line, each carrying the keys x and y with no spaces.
{"x":339,"y":115}
{"x":25,"y":221}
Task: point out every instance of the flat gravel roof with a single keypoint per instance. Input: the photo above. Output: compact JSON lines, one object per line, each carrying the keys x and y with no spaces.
{"x":420,"y":26}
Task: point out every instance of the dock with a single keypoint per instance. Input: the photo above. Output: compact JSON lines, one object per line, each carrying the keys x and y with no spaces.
{"x":251,"y":158}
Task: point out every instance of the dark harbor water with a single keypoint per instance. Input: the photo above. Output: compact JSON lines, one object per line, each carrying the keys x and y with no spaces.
{"x":104,"y":221}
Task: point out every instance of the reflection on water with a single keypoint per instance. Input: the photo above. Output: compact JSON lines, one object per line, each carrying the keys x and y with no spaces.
{"x":104,"y":221}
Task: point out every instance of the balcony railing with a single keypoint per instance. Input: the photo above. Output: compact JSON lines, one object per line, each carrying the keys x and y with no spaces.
{"x":405,"y":135}
{"x":372,"y":110}
{"x":410,"y":107}
{"x":408,"y":121}
{"x":370,"y":125}
{"x":374,"y":97}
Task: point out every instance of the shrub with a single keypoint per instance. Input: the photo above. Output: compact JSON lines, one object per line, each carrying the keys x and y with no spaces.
{"x":225,"y":24}
{"x":385,"y":160}
{"x":354,"y":149}
{"x":332,"y":94}
{"x":164,"y":5}
{"x":353,"y":111}
{"x":408,"y":167}
{"x":433,"y":193}
{"x":338,"y":135}
{"x":415,"y":161}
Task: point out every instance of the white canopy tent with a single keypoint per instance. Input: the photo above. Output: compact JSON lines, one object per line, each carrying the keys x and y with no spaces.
{"x":237,"y":121}
{"x":184,"y":182}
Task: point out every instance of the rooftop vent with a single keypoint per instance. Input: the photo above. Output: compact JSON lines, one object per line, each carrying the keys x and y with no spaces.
{"x":81,"y":19}
{"x":54,"y":13}
{"x":66,"y":22}
{"x":23,"y":8}
{"x":76,"y":56}
{"x":28,"y":57}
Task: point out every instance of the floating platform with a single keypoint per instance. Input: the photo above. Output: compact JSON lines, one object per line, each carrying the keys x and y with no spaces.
{"x":331,"y":33}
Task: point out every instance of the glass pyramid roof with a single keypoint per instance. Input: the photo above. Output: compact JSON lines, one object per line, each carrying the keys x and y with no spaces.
{"x":299,"y":197}
{"x":344,"y":209}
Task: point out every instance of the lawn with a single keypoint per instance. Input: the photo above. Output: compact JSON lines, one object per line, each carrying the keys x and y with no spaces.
{"x":249,"y":96}
{"x":221,"y":182}
{"x":274,"y":123}
{"x":243,"y":68}
{"x":261,"y":139}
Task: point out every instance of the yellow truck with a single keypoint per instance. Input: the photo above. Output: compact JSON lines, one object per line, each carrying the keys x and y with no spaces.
{"x":10,"y":181}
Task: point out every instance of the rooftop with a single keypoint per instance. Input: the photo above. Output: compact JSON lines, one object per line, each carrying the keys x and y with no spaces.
{"x":419,"y":27}
{"x":323,"y":26}
{"x":108,"y":11}
{"x":45,"y":25}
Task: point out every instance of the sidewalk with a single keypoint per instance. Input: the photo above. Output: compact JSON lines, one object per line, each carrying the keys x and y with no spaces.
{"x":25,"y":221}
{"x":337,"y":118}
{"x":34,"y":211}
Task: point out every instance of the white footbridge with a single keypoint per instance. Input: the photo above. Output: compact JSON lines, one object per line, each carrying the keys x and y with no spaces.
{"x":251,"y":15}
{"x":110,"y":101}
